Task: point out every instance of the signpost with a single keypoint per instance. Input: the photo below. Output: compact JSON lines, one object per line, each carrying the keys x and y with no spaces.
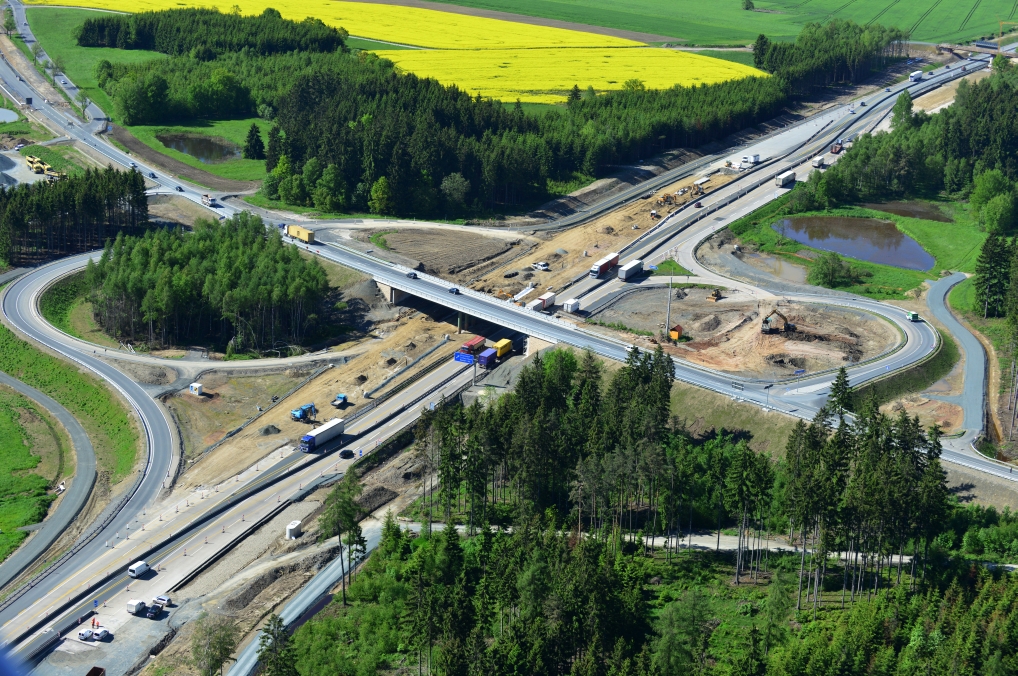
{"x":466,"y":359}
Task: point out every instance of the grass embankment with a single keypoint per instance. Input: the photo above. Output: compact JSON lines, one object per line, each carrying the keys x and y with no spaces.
{"x":962,"y":301}
{"x":955,"y":246}
{"x":619,"y":326}
{"x":378,"y":239}
{"x":54,"y":28}
{"x":64,"y":306}
{"x":914,"y":379}
{"x":33,"y":456}
{"x":22,"y":127}
{"x":104,"y":417}
{"x":669,"y":268}
{"x":61,"y":158}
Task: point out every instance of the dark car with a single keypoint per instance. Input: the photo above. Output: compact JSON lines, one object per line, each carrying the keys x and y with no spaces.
{"x":698,"y":205}
{"x":412,"y":275}
{"x":179,"y":189}
{"x":154,"y":611}
{"x":346,"y":453}
{"x":151,"y":174}
{"x":454,"y":291}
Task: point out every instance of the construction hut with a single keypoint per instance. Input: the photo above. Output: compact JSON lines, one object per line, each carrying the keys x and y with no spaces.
{"x":195,"y":389}
{"x":675,"y":332}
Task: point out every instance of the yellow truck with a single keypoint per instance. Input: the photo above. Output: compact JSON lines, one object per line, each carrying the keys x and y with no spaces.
{"x":503,"y":347}
{"x":36,"y":164}
{"x":301,"y":234}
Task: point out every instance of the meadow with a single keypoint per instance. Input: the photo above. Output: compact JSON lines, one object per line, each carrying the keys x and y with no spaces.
{"x":547,"y":75}
{"x":727,"y":23}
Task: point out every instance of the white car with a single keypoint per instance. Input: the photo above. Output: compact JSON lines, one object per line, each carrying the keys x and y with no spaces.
{"x":101,"y":634}
{"x":63,"y":82}
{"x":540,"y":266}
{"x":85,"y":635}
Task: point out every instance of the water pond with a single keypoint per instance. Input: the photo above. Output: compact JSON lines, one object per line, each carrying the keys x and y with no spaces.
{"x":923,"y":210}
{"x":867,"y":239}
{"x":207,"y":149}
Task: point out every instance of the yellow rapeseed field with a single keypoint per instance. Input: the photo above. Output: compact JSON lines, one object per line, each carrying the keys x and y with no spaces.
{"x":547,"y":75}
{"x":498,"y":59}
{"x":390,"y":23}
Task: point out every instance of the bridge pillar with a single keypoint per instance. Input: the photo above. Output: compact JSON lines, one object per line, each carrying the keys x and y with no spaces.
{"x":392,"y":295}
{"x":536,"y":345}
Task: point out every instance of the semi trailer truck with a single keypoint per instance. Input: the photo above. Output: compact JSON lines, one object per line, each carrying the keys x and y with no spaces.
{"x":315,"y":440}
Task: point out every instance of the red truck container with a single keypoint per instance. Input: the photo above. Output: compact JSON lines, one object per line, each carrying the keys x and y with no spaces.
{"x":604,"y":265}
{"x":488,"y":358}
{"x":473,"y":346}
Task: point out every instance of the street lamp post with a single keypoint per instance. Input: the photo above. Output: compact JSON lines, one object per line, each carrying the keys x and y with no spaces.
{"x":767,"y":390}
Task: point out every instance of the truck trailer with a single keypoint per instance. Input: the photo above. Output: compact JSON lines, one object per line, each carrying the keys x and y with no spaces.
{"x":488,"y":359}
{"x":571,"y":305}
{"x":536,"y":305}
{"x":915,"y":76}
{"x":503,"y":347}
{"x":784,"y":180}
{"x":631,"y":271}
{"x":604,"y":265}
{"x":316,"y":439}
{"x":301,"y":234}
{"x":473,"y":346}
{"x":547,"y":300}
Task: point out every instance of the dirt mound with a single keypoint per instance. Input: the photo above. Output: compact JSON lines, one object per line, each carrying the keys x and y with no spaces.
{"x":709,"y":324}
{"x":446,"y":252}
{"x":374,"y":497}
{"x":268,"y":429}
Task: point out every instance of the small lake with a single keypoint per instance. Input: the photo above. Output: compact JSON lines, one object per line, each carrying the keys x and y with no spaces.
{"x":922,"y":210}
{"x":867,"y":239}
{"x":8,"y":115}
{"x":205,"y":149}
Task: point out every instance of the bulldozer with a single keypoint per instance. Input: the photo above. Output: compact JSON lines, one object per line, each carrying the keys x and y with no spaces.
{"x":714,"y":296}
{"x":769,"y":325}
{"x":697,"y":190}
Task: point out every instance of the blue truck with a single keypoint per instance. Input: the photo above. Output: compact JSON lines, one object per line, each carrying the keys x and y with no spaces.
{"x":304,"y":413}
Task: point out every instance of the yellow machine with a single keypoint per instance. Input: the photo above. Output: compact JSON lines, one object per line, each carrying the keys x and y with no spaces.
{"x":714,"y":296}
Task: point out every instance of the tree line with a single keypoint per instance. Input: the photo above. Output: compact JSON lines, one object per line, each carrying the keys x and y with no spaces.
{"x":227,"y":282}
{"x":409,"y":146}
{"x":78,"y":213}
{"x":205,"y":33}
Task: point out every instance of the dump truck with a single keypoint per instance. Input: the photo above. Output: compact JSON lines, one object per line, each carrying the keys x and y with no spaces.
{"x":208,"y":200}
{"x":837,"y":148}
{"x":339,"y":401}
{"x":488,"y":358}
{"x":304,"y":413}
{"x":770,"y":323}
{"x":785,"y":179}
{"x":604,"y":265}
{"x":315,"y":440}
{"x":631,"y":270}
{"x":503,"y":347}
{"x":301,"y":234}
{"x":473,"y":346}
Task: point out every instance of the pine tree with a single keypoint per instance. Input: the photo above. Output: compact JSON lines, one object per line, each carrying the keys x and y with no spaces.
{"x":254,"y":149}
{"x":840,"y":397}
{"x":275,"y":654}
{"x":275,"y":148}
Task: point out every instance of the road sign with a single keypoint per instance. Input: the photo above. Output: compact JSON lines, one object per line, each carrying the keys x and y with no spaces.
{"x":652,"y":267}
{"x":737,"y":386}
{"x":95,"y":604}
{"x":463,"y":357}
{"x":799,"y":372}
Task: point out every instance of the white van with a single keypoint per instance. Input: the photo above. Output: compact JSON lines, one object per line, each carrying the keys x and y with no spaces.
{"x":137,"y":569}
{"x":85,"y":635}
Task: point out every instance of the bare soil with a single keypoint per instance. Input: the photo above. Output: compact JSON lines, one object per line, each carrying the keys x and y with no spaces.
{"x":949,"y":416}
{"x":398,"y":343}
{"x":171,"y":209}
{"x":178,"y":168}
{"x":970,"y":486}
{"x":227,"y":402}
{"x":944,"y":96}
{"x":726,"y":335}
{"x":447,"y":253}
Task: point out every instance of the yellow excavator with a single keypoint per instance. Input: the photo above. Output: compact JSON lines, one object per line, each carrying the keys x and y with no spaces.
{"x":769,"y":325}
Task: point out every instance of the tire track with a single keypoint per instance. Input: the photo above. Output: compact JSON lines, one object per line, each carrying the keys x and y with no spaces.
{"x":883,"y":11}
{"x":831,"y":15}
{"x":1014,"y":8}
{"x":968,"y":17}
{"x":926,"y":14}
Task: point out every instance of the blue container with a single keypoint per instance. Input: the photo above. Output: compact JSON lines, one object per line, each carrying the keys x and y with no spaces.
{"x":488,"y":358}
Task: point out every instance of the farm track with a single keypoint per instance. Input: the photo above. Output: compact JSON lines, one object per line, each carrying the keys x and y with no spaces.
{"x":882,"y":12}
{"x":835,"y":12}
{"x":925,"y":14}
{"x":1014,"y":8}
{"x":968,"y":16}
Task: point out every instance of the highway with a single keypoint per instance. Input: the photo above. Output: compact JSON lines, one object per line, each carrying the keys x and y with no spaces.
{"x":259,"y":491}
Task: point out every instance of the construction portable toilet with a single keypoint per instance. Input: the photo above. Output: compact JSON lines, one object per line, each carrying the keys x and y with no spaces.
{"x":196,"y":389}
{"x":293,"y":530}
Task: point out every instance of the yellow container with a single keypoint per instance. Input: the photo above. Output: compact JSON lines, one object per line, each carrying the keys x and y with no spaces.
{"x":503,"y":347}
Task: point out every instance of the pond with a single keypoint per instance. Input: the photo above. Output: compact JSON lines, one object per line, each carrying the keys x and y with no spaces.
{"x":207,"y":149}
{"x":867,"y":239}
{"x":923,"y":210}
{"x":8,"y":115}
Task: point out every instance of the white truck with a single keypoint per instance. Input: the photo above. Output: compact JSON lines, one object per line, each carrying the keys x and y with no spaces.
{"x":631,"y":270}
{"x":137,"y":569}
{"x":784,"y":180}
{"x":136,"y":607}
{"x":749,"y":160}
{"x":915,"y":76}
{"x":819,"y":162}
{"x":316,"y":439}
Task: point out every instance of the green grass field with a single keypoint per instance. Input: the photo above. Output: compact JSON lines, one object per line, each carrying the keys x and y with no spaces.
{"x":670,"y":267}
{"x":54,"y":27}
{"x":371,"y":45}
{"x":100,"y":412}
{"x":231,"y":130}
{"x":727,"y":23}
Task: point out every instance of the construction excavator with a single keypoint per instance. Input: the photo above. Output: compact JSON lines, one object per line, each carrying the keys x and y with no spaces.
{"x":769,"y":325}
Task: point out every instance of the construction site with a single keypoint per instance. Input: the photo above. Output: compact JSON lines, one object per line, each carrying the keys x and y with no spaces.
{"x":744,"y":336}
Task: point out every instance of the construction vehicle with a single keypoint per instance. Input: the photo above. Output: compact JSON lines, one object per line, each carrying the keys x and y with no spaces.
{"x":301,"y":234}
{"x":316,"y":439}
{"x":339,"y":401}
{"x":696,"y":190}
{"x":305,"y":413}
{"x":714,"y":296}
{"x":208,"y":201}
{"x":769,"y":325}
{"x":837,"y":148}
{"x":664,"y":199}
{"x":54,"y":175}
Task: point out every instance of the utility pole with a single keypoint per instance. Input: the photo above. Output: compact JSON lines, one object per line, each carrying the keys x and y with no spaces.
{"x":668,"y":314}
